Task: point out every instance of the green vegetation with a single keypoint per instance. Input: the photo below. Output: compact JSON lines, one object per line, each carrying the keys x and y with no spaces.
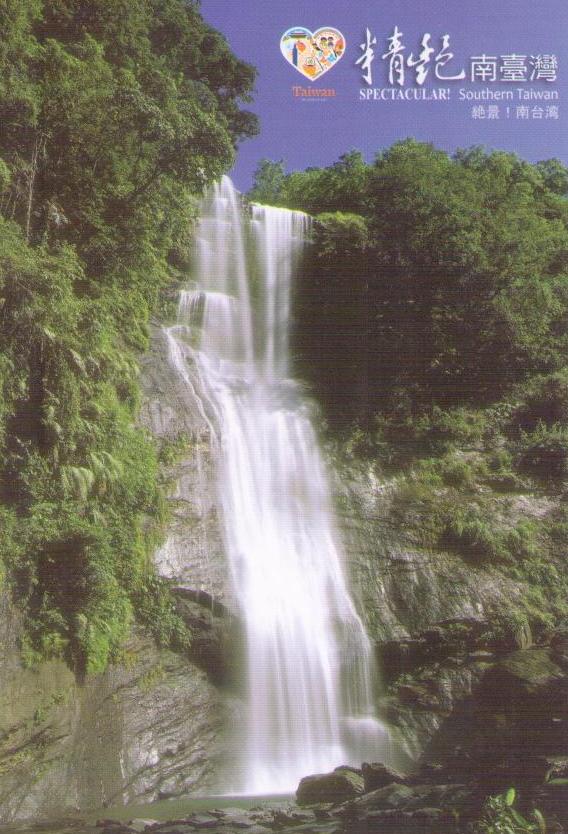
{"x":156,"y":610}
{"x":113,"y":116}
{"x":432,"y":324}
{"x":473,"y":505}
{"x":432,"y":281}
{"x":500,"y":817}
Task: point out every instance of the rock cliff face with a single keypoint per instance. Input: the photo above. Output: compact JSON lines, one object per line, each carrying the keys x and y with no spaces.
{"x":156,"y":723}
{"x":147,"y":728}
{"x":402,"y":588}
{"x":434,"y":617}
{"x":192,"y":553}
{"x":152,"y":726}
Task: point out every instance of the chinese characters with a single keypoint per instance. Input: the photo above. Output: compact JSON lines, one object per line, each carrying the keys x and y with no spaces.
{"x":402,"y":67}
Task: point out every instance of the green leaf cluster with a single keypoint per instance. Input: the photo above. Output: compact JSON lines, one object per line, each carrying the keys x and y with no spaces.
{"x":499,"y":816}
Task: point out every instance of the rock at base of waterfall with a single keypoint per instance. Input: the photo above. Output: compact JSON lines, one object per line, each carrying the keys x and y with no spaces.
{"x":141,"y":825}
{"x":343,"y":784}
{"x":417,"y":808}
{"x":395,"y":821}
{"x":377,"y":775}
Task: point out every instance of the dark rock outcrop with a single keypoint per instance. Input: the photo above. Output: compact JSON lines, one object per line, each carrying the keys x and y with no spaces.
{"x":336,"y":787}
{"x":217,"y":636}
{"x":377,"y":775}
{"x":521,"y":711}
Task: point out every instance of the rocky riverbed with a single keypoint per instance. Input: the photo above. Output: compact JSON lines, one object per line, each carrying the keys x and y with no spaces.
{"x":429,"y":802}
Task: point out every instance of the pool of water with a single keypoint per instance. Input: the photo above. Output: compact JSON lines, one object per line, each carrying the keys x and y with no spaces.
{"x":166,"y":809}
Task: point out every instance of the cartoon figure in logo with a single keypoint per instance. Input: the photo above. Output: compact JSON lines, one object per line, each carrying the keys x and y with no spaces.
{"x":323,"y":51}
{"x":295,"y":54}
{"x":332,"y":53}
{"x":317,"y":53}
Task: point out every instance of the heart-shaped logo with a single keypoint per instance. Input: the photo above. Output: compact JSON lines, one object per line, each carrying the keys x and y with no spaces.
{"x":312,"y":53}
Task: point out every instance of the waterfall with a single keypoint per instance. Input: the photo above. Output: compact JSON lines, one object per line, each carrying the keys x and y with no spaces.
{"x":309,"y":672}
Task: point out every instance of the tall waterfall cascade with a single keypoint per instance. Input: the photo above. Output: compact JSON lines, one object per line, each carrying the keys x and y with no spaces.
{"x":309,"y":675}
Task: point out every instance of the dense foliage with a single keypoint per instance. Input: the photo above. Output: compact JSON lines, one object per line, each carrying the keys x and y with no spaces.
{"x":432,"y":280}
{"x":113,"y":116}
{"x":432,"y":323}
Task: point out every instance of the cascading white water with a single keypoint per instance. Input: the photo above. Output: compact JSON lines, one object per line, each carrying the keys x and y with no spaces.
{"x":309,"y":671}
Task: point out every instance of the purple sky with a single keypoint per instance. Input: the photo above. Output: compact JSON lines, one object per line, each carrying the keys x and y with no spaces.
{"x":307,"y":132}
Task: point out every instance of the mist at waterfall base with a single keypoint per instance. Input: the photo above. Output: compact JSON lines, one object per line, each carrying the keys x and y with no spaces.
{"x":310,"y":674}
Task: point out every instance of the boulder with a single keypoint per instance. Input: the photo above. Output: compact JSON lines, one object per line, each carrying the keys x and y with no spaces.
{"x":395,"y":796}
{"x":390,"y":821}
{"x":377,"y":775}
{"x":336,"y":787}
{"x":412,"y":797}
{"x":348,"y":769}
{"x":433,"y":636}
{"x":202,"y":822}
{"x":521,"y":708}
{"x":285,"y":817}
{"x":524,"y":674}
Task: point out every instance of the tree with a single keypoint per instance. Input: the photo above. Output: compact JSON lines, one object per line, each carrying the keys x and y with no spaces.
{"x":268,"y":182}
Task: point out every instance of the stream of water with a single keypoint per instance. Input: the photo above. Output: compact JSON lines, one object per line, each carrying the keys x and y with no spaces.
{"x":310,"y":674}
